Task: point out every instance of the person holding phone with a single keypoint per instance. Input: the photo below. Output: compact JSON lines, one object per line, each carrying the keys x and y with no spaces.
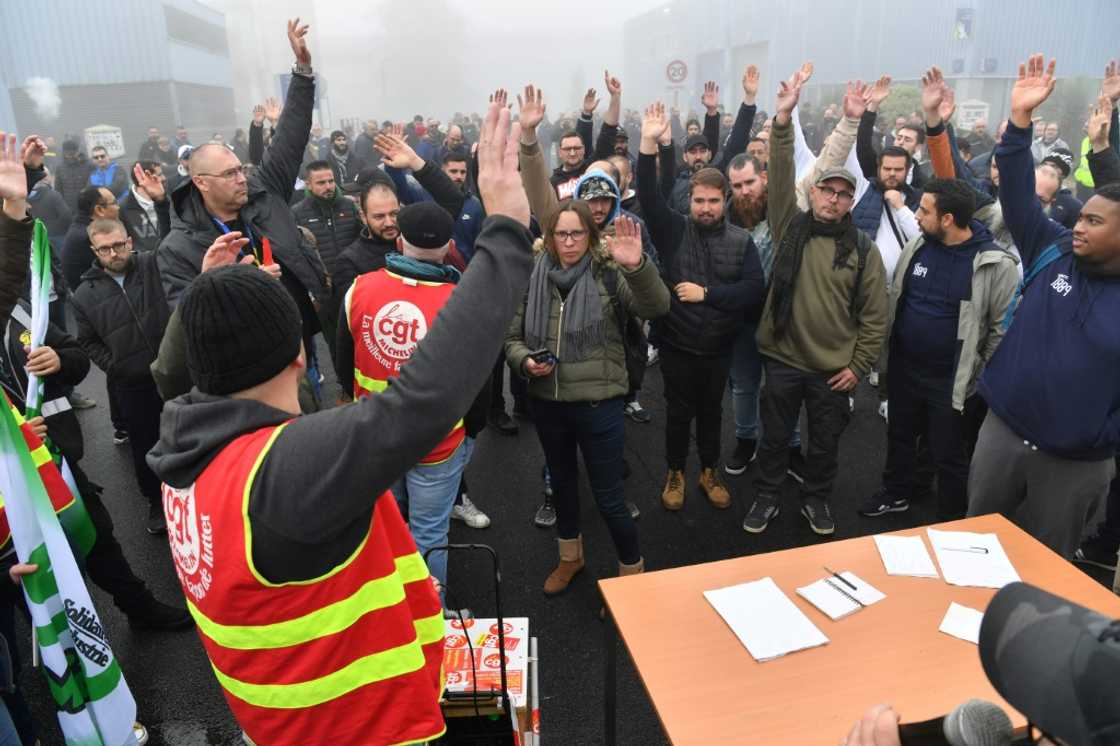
{"x":567,"y":340}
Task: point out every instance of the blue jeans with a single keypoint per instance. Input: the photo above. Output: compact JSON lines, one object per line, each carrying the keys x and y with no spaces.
{"x":598,"y":431}
{"x":425,"y":495}
{"x":746,"y":382}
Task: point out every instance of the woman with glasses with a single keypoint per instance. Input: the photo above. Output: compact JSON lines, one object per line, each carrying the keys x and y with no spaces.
{"x":567,"y":341}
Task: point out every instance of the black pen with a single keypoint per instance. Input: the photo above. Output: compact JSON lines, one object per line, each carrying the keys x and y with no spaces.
{"x":840,"y":577}
{"x":844,"y":593}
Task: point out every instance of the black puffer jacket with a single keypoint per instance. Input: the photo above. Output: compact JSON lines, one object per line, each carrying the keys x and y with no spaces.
{"x":364,"y":255}
{"x":120,"y":328}
{"x":334,"y":222}
{"x":267,"y":212}
{"x":71,"y":178}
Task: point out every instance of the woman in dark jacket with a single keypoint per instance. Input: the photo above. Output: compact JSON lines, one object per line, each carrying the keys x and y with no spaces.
{"x":568,"y":341}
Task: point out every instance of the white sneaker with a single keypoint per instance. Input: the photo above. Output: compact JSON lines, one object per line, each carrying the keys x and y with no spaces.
{"x":469,"y":514}
{"x":873,"y":378}
{"x":141,"y":734}
{"x":883,"y":410}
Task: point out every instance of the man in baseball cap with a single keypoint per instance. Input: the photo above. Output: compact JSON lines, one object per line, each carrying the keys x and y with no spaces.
{"x":1059,"y":203}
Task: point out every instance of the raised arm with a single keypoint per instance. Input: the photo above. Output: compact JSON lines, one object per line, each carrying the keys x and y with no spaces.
{"x":866,"y":153}
{"x":15,"y":223}
{"x":279,"y":170}
{"x":1104,"y":163}
{"x":840,"y":142}
{"x":710,"y":99}
{"x":534,"y":171}
{"x":662,"y":221}
{"x":741,"y":130}
{"x":604,"y":142}
{"x":1031,"y":230}
{"x":256,"y":136}
{"x":586,"y":122}
{"x":782,"y":178}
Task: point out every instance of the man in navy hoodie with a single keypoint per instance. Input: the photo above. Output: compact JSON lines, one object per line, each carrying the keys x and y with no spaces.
{"x":1045,"y":453}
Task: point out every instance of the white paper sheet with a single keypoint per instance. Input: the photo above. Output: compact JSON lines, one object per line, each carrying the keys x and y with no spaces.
{"x":963,"y":622}
{"x":905,"y":555}
{"x":827,"y":594}
{"x":975,"y":560}
{"x":764,"y":619}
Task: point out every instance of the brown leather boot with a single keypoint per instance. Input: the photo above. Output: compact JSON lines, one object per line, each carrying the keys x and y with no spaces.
{"x":571,"y":562}
{"x":710,"y":485}
{"x":672,"y":497}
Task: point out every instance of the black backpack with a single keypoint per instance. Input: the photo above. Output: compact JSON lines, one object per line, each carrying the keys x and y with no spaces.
{"x":630,"y":328}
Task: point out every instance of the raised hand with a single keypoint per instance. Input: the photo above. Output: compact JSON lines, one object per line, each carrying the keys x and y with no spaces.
{"x":854,"y":99}
{"x":297,"y":37}
{"x":499,"y":182}
{"x":948,"y":103}
{"x":788,"y":93}
{"x":13,"y":180}
{"x":1035,"y":84}
{"x":224,"y":251}
{"x":500,"y":97}
{"x":877,"y":93}
{"x":258,"y":115}
{"x":710,"y":99}
{"x":933,"y":89}
{"x":805,"y":72}
{"x":614,"y":87}
{"x":530,"y":106}
{"x":625,"y":245}
{"x":750,"y":84}
{"x":1110,"y":86}
{"x":590,"y":101}
{"x":396,"y":152}
{"x":150,"y":184}
{"x":272,"y":110}
{"x":33,"y":151}
{"x":654,"y":124}
{"x":1100,"y":122}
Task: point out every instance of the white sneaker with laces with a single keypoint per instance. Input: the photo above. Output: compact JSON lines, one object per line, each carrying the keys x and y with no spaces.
{"x":469,"y":514}
{"x":883,"y":410}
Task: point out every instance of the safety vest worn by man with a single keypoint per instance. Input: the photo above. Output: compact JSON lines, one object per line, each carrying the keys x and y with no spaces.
{"x":351,"y":657}
{"x":388,"y":315}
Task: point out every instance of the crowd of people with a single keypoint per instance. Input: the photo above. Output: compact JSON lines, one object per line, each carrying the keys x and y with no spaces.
{"x":740,"y":251}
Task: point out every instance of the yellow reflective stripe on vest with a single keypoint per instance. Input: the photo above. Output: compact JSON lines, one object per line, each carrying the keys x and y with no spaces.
{"x":373,"y":385}
{"x":40,"y":456}
{"x":387,"y":664}
{"x":331,"y":619}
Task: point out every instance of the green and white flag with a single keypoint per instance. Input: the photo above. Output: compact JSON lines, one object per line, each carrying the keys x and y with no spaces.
{"x":40,"y":309}
{"x":94,"y":704}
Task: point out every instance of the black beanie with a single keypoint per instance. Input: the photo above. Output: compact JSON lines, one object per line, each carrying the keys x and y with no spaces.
{"x":242,"y":328}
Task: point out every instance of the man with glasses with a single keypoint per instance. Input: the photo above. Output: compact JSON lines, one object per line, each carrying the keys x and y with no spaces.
{"x":219,"y":199}
{"x":108,"y":174}
{"x":121,"y":313}
{"x":821,"y":327}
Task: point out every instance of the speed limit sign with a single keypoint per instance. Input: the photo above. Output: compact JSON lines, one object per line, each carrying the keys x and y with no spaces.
{"x":676,"y":71}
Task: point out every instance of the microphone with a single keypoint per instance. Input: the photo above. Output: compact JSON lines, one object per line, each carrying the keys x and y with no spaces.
{"x":974,"y":723}
{"x":978,"y":723}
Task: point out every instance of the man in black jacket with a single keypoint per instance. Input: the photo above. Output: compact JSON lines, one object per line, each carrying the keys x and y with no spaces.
{"x":218,"y":199}
{"x":146,"y":212}
{"x":121,"y":312}
{"x":380,"y":208}
{"x":62,"y":364}
{"x":714,"y":270}
{"x":73,"y":173}
{"x":335,"y":223}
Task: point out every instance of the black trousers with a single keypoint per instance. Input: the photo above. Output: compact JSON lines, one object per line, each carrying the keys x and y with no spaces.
{"x":518,"y":386}
{"x":921,"y":406}
{"x":140,"y":407}
{"x":785,"y":389}
{"x":694,"y":386}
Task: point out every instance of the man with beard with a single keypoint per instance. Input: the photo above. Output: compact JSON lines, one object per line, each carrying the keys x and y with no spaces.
{"x":759,"y":148}
{"x":885,"y":212}
{"x":821,"y":327}
{"x":380,"y":208}
{"x":948,"y":300}
{"x":121,"y":313}
{"x":714,"y":271}
{"x":345,"y":164}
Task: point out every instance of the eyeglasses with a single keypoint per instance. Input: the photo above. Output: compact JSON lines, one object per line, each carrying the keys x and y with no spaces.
{"x":831,"y":194}
{"x":121,"y":247}
{"x":566,"y":236}
{"x":230,"y":173}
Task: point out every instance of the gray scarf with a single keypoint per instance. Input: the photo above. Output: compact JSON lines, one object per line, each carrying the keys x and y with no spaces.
{"x":583,"y":328}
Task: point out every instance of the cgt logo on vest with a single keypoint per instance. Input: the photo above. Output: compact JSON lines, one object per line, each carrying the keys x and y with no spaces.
{"x":191,"y":539}
{"x":393,"y":332}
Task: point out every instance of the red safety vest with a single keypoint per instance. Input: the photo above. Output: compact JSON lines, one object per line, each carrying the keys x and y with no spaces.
{"x":388,"y":315}
{"x":354,"y":656}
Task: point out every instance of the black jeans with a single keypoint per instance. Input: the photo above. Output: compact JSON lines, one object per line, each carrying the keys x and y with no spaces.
{"x":140,"y":407}
{"x":784,"y":391}
{"x":518,"y":386}
{"x":921,"y":406}
{"x":598,"y":430}
{"x":694,"y":386}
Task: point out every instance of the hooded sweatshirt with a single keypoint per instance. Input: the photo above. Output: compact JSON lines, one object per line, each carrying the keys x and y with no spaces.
{"x":598,"y":183}
{"x":313,"y":495}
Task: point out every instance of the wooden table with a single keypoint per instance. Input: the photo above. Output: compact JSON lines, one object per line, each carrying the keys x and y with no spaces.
{"x":707,"y":689}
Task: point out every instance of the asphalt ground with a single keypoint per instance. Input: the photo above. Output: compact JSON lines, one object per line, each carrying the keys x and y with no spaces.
{"x":181,"y":704}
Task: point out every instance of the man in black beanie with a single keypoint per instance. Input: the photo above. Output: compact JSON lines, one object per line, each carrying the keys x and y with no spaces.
{"x":284,"y":523}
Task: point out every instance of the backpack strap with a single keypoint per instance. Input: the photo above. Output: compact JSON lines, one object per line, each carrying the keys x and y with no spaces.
{"x":1049,"y":255}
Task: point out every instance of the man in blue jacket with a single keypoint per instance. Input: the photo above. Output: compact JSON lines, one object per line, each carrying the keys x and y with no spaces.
{"x":1045,"y":453}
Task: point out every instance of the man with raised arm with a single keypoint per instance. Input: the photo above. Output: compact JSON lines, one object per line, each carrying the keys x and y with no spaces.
{"x":316,"y":611}
{"x":1045,"y":455}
